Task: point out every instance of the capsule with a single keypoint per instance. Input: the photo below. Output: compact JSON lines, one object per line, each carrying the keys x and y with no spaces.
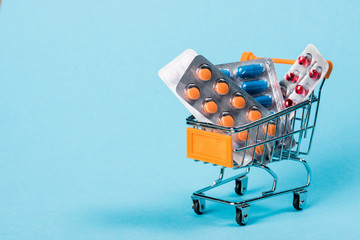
{"x":288,"y":103}
{"x":293,"y":77}
{"x":315,"y":73}
{"x":226,"y":72}
{"x":254,"y":87}
{"x":301,"y":90}
{"x":305,"y":60}
{"x":265,"y":100}
{"x":250,"y":71}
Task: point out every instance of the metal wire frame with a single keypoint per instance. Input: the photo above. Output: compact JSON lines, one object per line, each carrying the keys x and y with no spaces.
{"x":292,"y":126}
{"x":287,"y":144}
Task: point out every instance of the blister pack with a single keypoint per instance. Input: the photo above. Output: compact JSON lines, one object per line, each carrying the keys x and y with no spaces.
{"x":302,"y":78}
{"x":258,"y":78}
{"x":213,"y":97}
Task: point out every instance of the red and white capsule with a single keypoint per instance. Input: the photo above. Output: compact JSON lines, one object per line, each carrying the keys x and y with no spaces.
{"x":288,"y":103}
{"x":305,"y":60}
{"x":301,"y":90}
{"x":315,"y":73}
{"x":292,"y":77}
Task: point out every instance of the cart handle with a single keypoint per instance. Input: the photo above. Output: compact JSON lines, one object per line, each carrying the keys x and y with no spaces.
{"x":250,"y":56}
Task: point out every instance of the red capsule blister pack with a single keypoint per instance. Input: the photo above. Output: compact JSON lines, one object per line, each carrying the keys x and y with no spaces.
{"x":213,"y":97}
{"x":302,"y":78}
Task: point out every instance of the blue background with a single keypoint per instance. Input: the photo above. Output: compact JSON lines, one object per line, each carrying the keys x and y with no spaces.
{"x":93,"y":142}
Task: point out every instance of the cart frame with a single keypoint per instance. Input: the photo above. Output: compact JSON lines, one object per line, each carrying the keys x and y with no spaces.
{"x":302,"y":118}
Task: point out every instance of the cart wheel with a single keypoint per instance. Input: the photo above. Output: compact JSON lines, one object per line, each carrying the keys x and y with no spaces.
{"x":241,"y":185}
{"x":242,"y":214}
{"x":299,"y":201}
{"x":198,"y":207}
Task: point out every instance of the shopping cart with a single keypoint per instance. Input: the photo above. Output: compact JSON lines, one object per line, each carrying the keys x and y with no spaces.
{"x":211,"y":143}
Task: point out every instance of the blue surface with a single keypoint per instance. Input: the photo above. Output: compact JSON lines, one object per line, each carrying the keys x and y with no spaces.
{"x":93,"y":142}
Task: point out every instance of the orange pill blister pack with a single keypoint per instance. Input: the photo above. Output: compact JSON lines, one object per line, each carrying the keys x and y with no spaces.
{"x":213,"y":97}
{"x":258,"y":78}
{"x":307,"y":72}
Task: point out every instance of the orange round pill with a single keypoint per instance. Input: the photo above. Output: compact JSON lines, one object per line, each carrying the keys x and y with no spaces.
{"x":241,"y":136}
{"x":227,"y":121}
{"x":238,"y":102}
{"x":271,"y":129}
{"x":221,"y":87}
{"x":210,"y":107}
{"x":259,"y":150}
{"x":254,"y":115}
{"x":192,"y":92}
{"x":204,"y":73}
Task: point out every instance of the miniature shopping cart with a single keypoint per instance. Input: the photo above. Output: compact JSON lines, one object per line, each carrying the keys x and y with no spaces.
{"x":211,"y":143}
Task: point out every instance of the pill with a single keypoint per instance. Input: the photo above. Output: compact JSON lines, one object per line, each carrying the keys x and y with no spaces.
{"x":271,"y":129}
{"x":241,"y":136}
{"x":238,"y":101}
{"x":254,"y":115}
{"x":259,"y":150}
{"x":204,"y":73}
{"x":265,"y":100}
{"x":250,"y":71}
{"x":227,"y":120}
{"x":210,"y":106}
{"x":192,"y":92}
{"x":288,"y":103}
{"x":226,"y":72}
{"x":305,"y":60}
{"x":292,"y":77}
{"x":254,"y":87}
{"x":221,"y":87}
{"x":301,"y":90}
{"x":315,"y":73}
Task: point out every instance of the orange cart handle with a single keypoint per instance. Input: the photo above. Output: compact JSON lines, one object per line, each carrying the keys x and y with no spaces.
{"x":250,"y":56}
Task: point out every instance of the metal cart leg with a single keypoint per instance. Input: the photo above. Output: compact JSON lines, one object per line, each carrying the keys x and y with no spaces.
{"x":273,"y":174}
{"x":242,"y":206}
{"x":220,"y":181}
{"x":221,"y":176}
{"x":199,"y":197}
